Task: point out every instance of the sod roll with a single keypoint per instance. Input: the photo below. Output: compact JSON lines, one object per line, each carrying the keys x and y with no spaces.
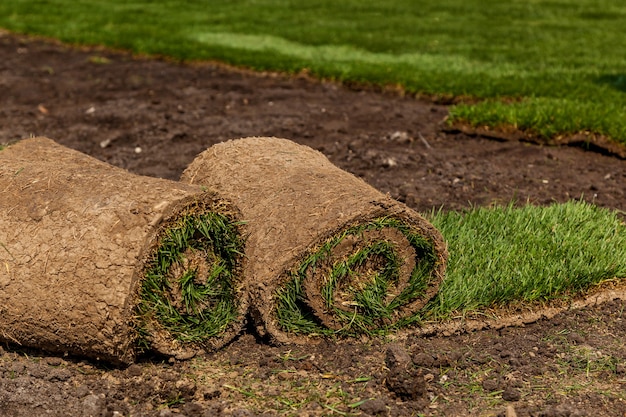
{"x":99,"y":262}
{"x":327,"y":253}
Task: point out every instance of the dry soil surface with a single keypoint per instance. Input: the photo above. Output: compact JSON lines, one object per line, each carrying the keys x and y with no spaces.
{"x":152,"y":117}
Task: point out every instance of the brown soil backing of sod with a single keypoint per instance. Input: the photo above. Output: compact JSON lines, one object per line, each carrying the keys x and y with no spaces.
{"x":294,"y":200}
{"x":76,"y":235}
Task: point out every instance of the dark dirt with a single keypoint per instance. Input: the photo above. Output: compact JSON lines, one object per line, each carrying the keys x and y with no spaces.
{"x":152,"y":117}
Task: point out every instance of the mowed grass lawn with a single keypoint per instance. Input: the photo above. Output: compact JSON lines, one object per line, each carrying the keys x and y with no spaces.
{"x":548,"y":67}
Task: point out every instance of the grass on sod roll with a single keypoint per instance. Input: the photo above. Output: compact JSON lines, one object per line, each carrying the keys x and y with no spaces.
{"x":503,"y":254}
{"x":372,"y":312}
{"x":498,"y":255}
{"x":189,"y":285}
{"x":561,"y":62}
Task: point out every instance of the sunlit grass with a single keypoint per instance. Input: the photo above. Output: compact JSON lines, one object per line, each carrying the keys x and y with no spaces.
{"x":545,"y":117}
{"x":563,"y":59}
{"x":504,"y":254}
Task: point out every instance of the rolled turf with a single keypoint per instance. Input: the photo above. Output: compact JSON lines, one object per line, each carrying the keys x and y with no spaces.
{"x":98,"y":262}
{"x":327,"y":253}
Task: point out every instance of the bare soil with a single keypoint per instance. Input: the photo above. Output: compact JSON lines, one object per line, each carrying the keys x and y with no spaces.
{"x":153,"y":117}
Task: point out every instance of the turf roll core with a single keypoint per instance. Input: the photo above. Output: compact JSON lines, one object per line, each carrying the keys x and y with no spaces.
{"x":99,"y":262}
{"x":327,"y":254}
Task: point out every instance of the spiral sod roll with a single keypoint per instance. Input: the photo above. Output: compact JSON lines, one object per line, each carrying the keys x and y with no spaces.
{"x":327,"y":254}
{"x":99,"y":262}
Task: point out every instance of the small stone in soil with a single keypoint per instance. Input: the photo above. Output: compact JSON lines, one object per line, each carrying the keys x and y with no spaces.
{"x":81,"y":391}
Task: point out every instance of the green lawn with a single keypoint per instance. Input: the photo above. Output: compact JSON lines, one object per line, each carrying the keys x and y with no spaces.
{"x":561,"y":61}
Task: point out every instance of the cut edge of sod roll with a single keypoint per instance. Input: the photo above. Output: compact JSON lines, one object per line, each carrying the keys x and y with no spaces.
{"x":102,"y":263}
{"x":190,"y":294}
{"x":370,"y":277}
{"x":327,"y":253}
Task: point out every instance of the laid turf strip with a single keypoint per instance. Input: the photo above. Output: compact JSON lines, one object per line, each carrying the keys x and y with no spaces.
{"x":102,"y":263}
{"x":505,"y":254}
{"x":326,"y":252}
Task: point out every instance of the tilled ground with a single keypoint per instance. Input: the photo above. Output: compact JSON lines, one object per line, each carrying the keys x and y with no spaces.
{"x":152,"y":117}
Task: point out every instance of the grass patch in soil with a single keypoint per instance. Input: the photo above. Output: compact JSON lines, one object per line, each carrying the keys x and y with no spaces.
{"x":545,"y":117}
{"x":561,"y":58}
